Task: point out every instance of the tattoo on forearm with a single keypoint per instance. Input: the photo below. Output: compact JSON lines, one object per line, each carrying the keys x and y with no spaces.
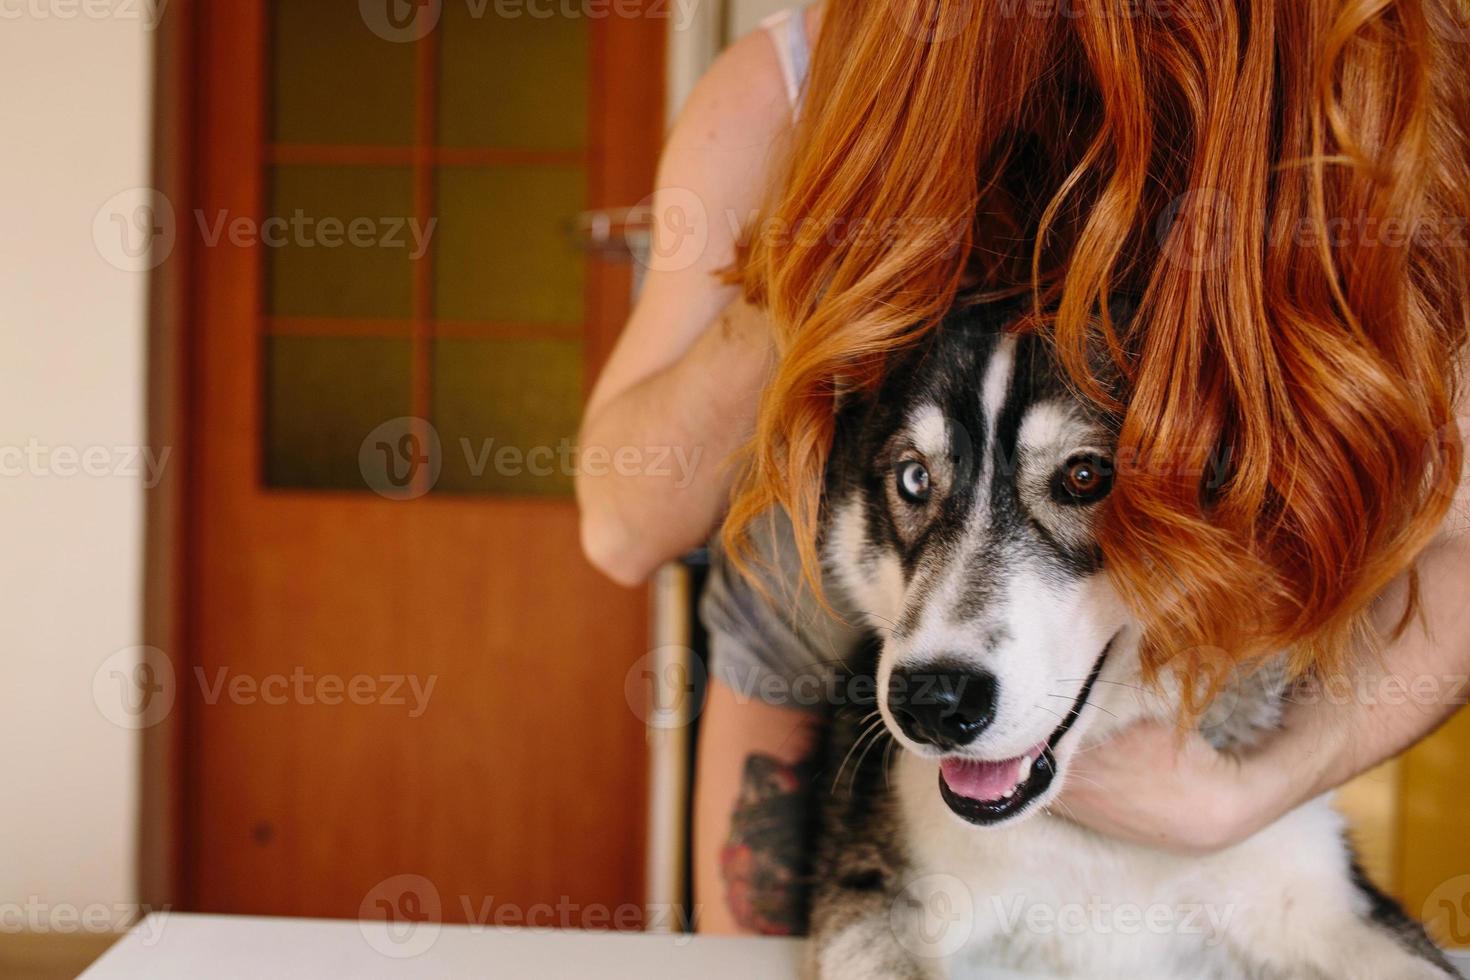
{"x":765,"y":861}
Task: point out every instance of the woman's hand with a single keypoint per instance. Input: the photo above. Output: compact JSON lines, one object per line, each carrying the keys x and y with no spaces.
{"x":1148,"y":785}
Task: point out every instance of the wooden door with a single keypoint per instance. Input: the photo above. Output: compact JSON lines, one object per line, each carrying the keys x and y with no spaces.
{"x":398,"y":663}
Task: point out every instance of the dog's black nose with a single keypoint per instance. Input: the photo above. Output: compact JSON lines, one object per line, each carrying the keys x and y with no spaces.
{"x":942,"y":705}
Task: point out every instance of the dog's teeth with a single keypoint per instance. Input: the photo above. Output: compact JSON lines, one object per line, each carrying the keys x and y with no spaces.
{"x":1009,"y":793}
{"x":1026,"y":764}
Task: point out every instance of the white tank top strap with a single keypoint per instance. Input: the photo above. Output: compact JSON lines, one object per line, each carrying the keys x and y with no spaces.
{"x":787,"y":29}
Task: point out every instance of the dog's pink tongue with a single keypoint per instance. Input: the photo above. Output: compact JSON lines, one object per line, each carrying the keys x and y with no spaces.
{"x":981,"y":780}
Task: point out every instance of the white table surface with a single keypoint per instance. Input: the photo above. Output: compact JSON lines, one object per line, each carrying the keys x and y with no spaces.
{"x":179,"y":946}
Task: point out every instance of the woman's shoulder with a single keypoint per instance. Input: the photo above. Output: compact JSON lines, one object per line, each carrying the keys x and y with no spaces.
{"x":744,"y":89}
{"x":732,"y":126}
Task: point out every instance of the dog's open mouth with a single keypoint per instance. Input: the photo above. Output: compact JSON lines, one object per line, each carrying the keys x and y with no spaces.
{"x":985,"y":792}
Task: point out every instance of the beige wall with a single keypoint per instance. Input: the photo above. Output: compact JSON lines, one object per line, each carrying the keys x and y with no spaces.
{"x":75,"y":119}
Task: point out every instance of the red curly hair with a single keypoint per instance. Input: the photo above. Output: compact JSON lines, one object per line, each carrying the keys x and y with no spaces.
{"x":1280,"y":186}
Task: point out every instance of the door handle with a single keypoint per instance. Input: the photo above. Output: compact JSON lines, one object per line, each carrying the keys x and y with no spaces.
{"x":617,"y":234}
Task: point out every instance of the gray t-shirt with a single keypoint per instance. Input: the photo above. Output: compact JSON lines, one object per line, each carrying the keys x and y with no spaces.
{"x":780,"y":647}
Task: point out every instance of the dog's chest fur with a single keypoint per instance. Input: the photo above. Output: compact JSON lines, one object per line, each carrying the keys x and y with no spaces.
{"x":1050,"y":897}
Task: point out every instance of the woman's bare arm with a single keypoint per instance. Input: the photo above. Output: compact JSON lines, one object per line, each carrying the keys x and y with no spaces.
{"x":754,"y":790}
{"x":674,"y":388}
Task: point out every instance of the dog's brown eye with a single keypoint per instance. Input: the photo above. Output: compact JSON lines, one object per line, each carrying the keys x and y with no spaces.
{"x":1086,"y":479}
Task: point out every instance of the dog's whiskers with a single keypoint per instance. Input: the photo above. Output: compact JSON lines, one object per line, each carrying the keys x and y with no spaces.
{"x":1048,"y":710}
{"x":1136,"y":687}
{"x":881,"y":734}
{"x":1085,"y":704}
{"x":872,"y":729}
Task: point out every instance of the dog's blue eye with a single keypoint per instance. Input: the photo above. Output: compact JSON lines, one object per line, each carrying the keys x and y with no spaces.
{"x":913,"y":481}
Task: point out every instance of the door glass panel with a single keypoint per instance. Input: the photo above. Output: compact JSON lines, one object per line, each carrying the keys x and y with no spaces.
{"x":459,"y":154}
{"x":323,"y":396}
{"x":336,"y":82}
{"x":485,"y":61}
{"x":506,"y":412}
{"x":342,"y":244}
{"x":504,"y":246}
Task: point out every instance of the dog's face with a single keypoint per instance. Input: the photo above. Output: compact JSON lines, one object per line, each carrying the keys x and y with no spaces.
{"x":961,"y":506}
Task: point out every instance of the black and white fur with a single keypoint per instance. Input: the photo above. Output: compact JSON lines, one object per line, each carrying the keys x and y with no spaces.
{"x":996,"y":572}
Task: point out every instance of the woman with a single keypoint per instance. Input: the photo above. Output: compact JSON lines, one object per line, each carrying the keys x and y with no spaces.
{"x":1277,"y":187}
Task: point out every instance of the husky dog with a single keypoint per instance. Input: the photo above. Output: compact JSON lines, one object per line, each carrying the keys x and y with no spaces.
{"x":958,"y":517}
